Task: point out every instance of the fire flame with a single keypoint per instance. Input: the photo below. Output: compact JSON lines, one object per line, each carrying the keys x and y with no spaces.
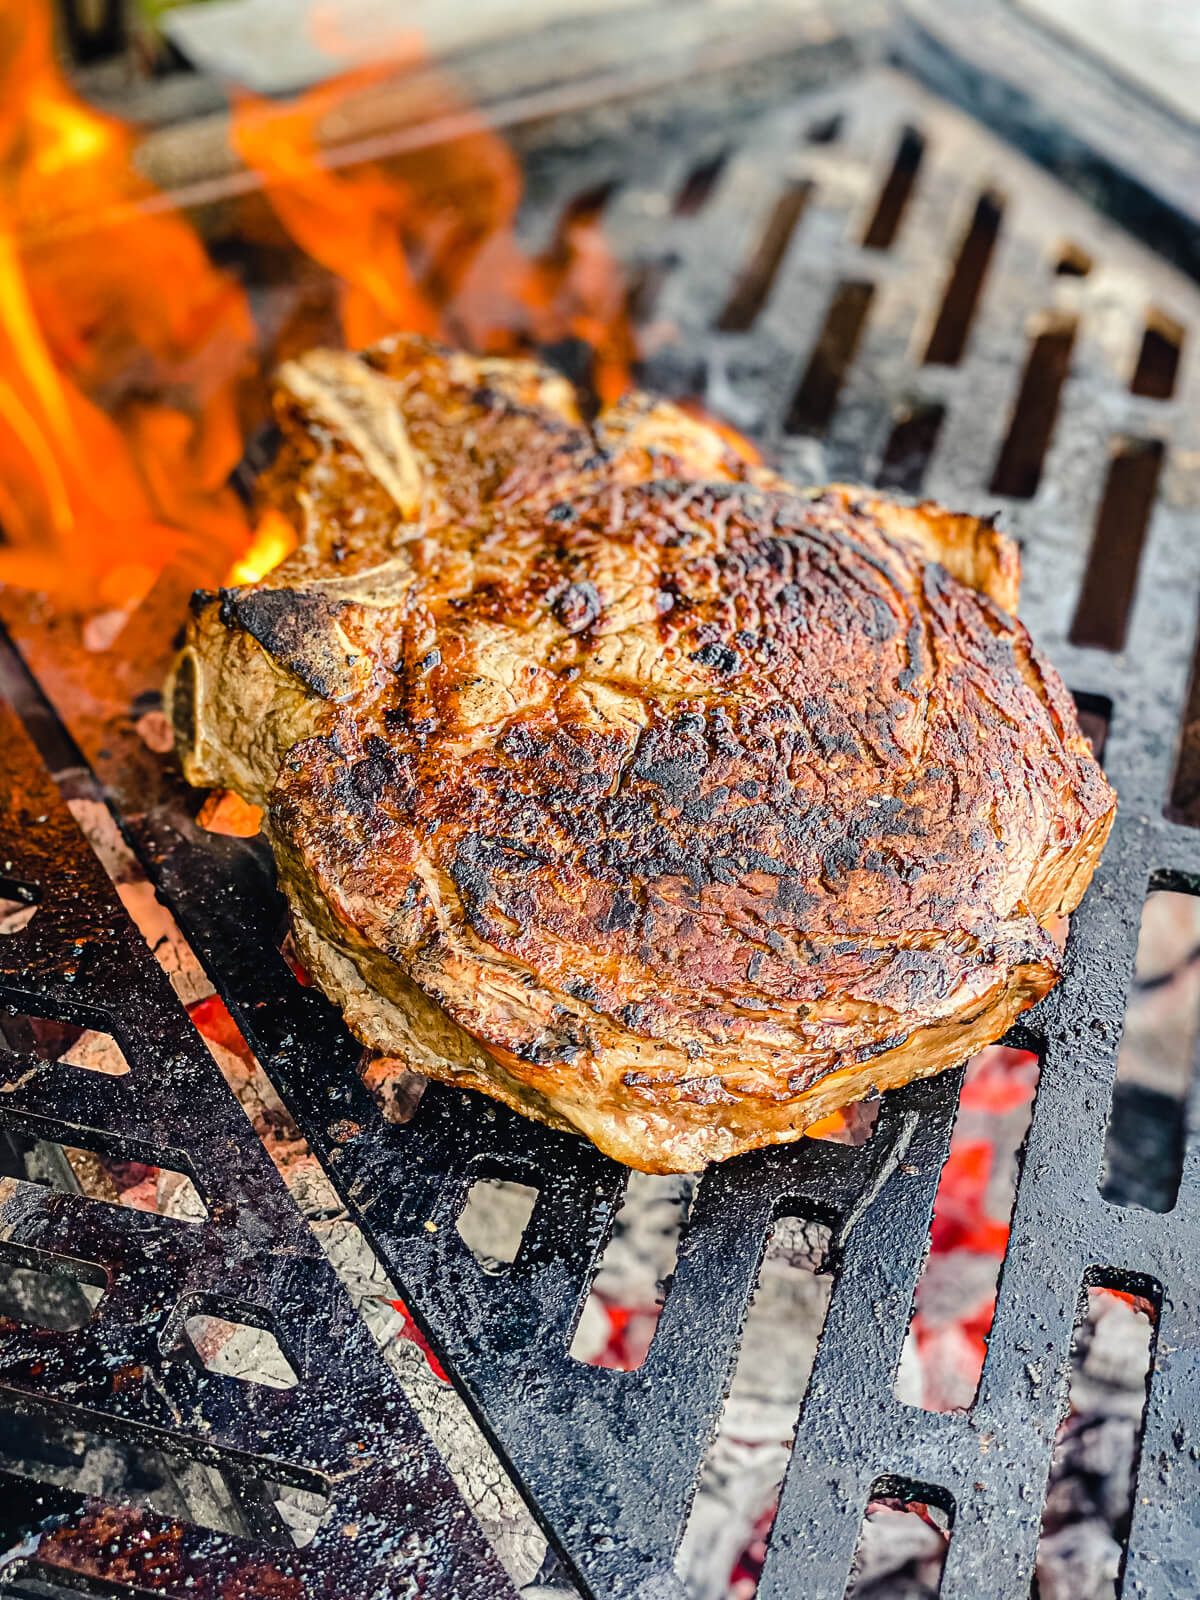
{"x":351,"y":223}
{"x":274,"y":540}
{"x":425,"y":240}
{"x":99,"y":484}
{"x":127,"y":359}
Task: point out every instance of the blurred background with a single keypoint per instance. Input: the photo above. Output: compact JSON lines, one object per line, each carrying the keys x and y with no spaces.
{"x":280,"y":45}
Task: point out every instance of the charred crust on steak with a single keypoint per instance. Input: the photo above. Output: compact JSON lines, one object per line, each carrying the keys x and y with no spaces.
{"x":296,"y":627}
{"x":630,"y":785}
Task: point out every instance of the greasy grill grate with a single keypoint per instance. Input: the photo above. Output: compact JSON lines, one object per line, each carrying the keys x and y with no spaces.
{"x":876,"y":288}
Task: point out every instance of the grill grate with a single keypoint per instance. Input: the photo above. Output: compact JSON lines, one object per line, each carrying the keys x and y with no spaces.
{"x":343,"y":1432}
{"x":903,"y":352}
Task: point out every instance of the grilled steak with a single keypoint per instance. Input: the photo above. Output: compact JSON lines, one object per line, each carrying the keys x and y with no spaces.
{"x":612,"y":776}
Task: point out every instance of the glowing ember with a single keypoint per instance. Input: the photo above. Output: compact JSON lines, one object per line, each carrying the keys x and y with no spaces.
{"x":630,"y":1332}
{"x":971,"y":1224}
{"x":835,"y":1122}
{"x":411,"y":1331}
{"x":226,"y":812}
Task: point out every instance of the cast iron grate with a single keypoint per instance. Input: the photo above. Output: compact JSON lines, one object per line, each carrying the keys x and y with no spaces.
{"x":117,"y":1363}
{"x":946,"y":346}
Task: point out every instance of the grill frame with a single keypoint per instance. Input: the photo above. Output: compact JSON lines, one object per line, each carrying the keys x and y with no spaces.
{"x":608,"y":1460}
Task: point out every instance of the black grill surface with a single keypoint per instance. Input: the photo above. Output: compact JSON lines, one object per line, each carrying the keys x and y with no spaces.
{"x":343,"y":1430}
{"x":825,"y":363}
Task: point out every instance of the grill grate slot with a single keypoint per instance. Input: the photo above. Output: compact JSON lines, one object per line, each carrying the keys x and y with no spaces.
{"x":753,"y":286}
{"x":53,"y":1449}
{"x":699,"y":185}
{"x":114,"y":1172}
{"x":493,"y":1221}
{"x":1102,"y":614}
{"x":778,"y":1345}
{"x":57,"y":1293}
{"x":18,"y":905}
{"x":1095,"y":715}
{"x":955,"y":1293}
{"x":645,"y":286}
{"x":1144,"y":1145}
{"x":1073,"y":262}
{"x":624,"y":1305}
{"x":816,"y":396}
{"x":948,"y":340}
{"x":893,"y":200}
{"x":1019,"y":467}
{"x":826,"y":130}
{"x":230,"y":1341}
{"x":91,"y":1048}
{"x":1158,"y":359}
{"x":910,"y":445}
{"x":902,"y":1519}
{"x":1183,"y":805}
{"x":583,"y":210}
{"x":1115,"y":1312}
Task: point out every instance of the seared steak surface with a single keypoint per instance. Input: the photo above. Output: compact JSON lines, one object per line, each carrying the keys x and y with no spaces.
{"x":620,"y":780}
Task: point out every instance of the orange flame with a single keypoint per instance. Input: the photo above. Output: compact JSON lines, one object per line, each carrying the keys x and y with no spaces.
{"x":350,"y":223}
{"x":274,"y":539}
{"x":98,"y":483}
{"x":824,"y":1127}
{"x":425,"y":242}
{"x":124,"y":352}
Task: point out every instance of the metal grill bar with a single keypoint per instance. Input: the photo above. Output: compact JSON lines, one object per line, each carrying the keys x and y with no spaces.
{"x":609,"y":1459}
